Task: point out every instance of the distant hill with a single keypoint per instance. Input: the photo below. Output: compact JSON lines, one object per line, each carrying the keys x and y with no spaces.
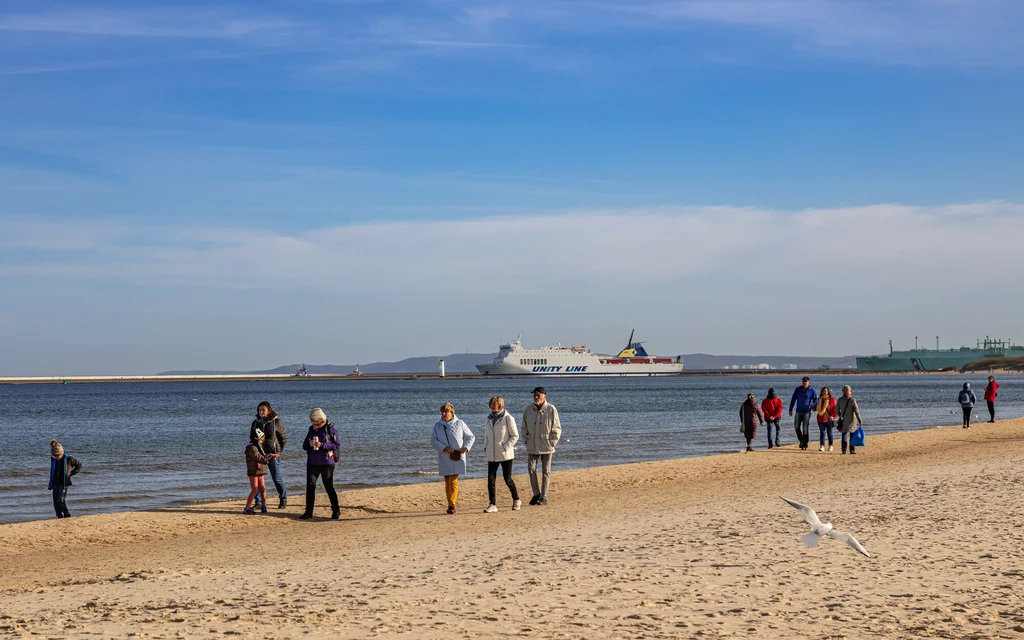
{"x":466,"y":363}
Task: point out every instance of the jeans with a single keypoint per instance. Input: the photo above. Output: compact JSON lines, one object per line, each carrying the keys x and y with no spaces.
{"x":822,"y":428}
{"x":991,"y":410}
{"x":967,"y":416}
{"x":60,"y":495}
{"x":768,"y":424}
{"x":531,"y":466}
{"x":802,"y":425}
{"x":326,"y":473}
{"x":847,"y":437}
{"x":506,"y":472}
{"x":274,"y":467}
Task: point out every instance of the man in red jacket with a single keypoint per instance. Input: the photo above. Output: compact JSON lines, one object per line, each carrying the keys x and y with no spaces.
{"x":772,"y":409}
{"x":990,"y":397}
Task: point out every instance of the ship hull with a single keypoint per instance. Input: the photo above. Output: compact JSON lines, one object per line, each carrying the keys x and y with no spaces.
{"x":925,"y":360}
{"x":618,"y":370}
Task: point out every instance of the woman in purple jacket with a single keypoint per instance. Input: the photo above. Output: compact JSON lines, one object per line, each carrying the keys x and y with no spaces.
{"x":321,"y":445}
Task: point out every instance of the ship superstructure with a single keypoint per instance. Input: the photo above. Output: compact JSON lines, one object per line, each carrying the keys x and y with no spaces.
{"x":578,"y":360}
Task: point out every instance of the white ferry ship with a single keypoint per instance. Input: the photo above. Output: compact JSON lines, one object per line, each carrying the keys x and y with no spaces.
{"x":514,"y":360}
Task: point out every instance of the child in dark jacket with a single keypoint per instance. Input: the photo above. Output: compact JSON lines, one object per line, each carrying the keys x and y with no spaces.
{"x":62,"y":467}
{"x":256,"y":468}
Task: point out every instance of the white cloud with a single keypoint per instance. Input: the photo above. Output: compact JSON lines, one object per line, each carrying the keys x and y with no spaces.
{"x":882,"y":246}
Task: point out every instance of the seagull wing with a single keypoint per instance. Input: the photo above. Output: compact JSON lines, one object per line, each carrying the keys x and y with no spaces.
{"x":806,"y":512}
{"x":848,"y":539}
{"x":810,"y":539}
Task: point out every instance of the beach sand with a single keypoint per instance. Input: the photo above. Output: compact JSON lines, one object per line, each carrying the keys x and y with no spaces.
{"x":698,"y":547}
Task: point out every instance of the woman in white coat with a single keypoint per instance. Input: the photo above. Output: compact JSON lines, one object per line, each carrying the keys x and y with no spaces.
{"x":453,"y":440}
{"x":500,"y":437}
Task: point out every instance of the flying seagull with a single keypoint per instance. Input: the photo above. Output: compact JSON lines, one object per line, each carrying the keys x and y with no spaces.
{"x":818,"y":529}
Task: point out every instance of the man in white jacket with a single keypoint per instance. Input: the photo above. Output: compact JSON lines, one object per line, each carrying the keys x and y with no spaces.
{"x":541,"y":431}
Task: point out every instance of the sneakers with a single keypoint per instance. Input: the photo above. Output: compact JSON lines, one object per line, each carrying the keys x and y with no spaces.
{"x":283,"y":503}
{"x":517,"y":504}
{"x":829,"y":447}
{"x":534,"y":500}
{"x":821,"y":448}
{"x":263,"y":508}
{"x":249,"y":511}
{"x":542,"y":501}
{"x":491,"y":508}
{"x":335,"y":514}
{"x":451,"y":510}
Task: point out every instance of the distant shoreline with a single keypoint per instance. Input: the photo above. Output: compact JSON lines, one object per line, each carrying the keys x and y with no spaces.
{"x":244,"y":377}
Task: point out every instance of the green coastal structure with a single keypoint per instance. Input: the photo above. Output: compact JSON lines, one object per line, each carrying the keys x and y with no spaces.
{"x":939,"y":359}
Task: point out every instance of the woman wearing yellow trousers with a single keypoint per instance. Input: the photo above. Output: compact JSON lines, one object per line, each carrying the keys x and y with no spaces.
{"x":453,"y":440}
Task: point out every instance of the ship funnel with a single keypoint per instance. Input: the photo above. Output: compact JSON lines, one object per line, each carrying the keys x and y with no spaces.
{"x":440,"y":367}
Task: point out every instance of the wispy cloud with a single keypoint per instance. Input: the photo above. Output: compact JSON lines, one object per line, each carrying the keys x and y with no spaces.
{"x":889,"y":247}
{"x":153,"y":23}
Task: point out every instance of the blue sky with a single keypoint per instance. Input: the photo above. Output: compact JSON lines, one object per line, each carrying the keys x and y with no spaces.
{"x":215,"y":185}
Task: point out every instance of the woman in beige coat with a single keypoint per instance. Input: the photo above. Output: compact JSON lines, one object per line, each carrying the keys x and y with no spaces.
{"x":500,"y":437}
{"x":849,"y":413}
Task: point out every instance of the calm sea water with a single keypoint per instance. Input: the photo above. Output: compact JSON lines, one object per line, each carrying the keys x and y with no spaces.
{"x":150,"y":445}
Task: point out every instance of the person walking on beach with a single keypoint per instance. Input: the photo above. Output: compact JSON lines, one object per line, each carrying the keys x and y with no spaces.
{"x":826,"y":411}
{"x":991,"y":391}
{"x":256,"y":468}
{"x":967,"y":400}
{"x":771,"y":406}
{"x":849,"y":414}
{"x":321,"y":446}
{"x":62,"y":467}
{"x":541,"y":431}
{"x":750,"y":418}
{"x":500,"y":437}
{"x":806,"y":401}
{"x":275,"y":438}
{"x":453,"y":440}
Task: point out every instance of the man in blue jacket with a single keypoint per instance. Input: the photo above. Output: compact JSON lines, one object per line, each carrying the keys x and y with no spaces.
{"x":806,"y":401}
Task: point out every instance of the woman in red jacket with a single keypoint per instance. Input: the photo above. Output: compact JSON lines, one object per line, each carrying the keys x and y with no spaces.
{"x":991,"y":391}
{"x":827,"y":415}
{"x":772,"y":408}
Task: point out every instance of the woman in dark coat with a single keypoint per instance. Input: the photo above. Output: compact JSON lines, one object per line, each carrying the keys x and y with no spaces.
{"x":750,"y":418}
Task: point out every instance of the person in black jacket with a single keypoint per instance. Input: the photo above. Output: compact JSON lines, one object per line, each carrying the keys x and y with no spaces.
{"x":274,"y":439}
{"x":62,"y":467}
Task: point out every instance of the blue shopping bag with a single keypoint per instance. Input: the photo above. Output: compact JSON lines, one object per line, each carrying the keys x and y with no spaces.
{"x":857,"y":439}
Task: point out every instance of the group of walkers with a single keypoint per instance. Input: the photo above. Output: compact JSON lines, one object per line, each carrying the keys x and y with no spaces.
{"x":452,"y":438}
{"x":831,"y":414}
{"x":540,"y":430}
{"x":967,"y":400}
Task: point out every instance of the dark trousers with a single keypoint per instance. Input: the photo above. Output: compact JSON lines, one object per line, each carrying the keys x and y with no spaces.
{"x":768,"y":424}
{"x":967,"y":416}
{"x":824,"y":427}
{"x":506,"y":472}
{"x":326,"y":474}
{"x":802,"y":425}
{"x":991,"y":410}
{"x":848,"y":437}
{"x":60,"y":496}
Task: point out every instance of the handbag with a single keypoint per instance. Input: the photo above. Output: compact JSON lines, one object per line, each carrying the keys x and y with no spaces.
{"x":455,"y":454}
{"x":857,"y":439}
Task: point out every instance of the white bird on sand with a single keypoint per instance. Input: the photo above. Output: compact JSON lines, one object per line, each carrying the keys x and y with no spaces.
{"x":818,"y":529}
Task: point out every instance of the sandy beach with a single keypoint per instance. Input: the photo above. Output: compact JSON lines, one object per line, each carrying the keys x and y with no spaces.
{"x":698,"y":547}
